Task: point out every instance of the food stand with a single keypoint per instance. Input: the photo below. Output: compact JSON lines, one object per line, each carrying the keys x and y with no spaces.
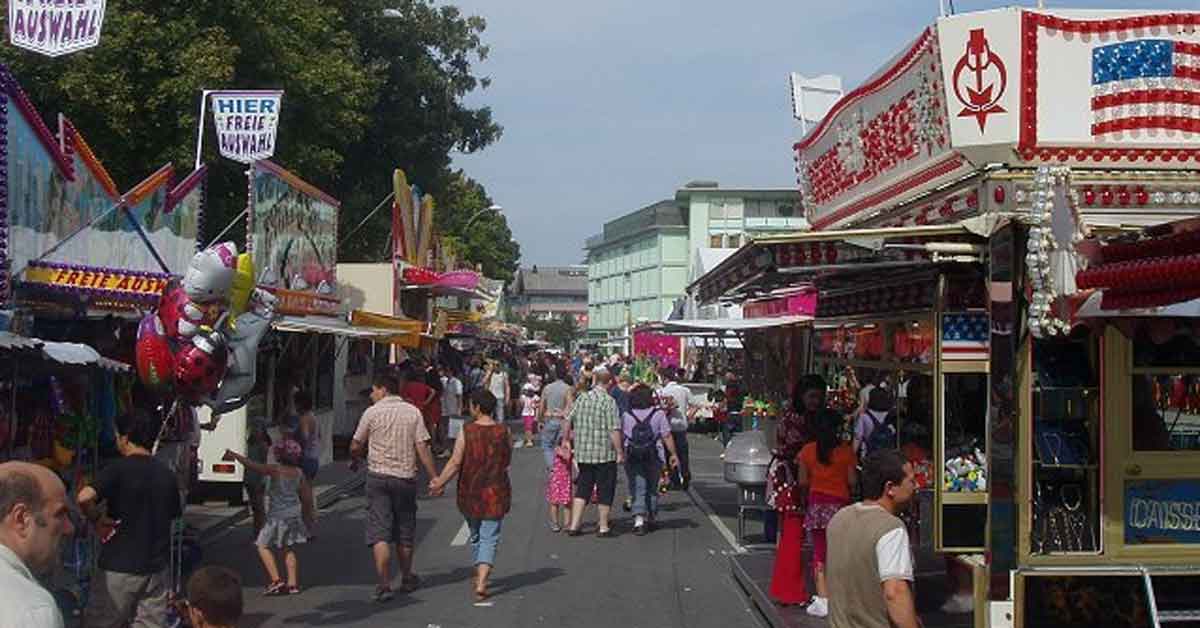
{"x":956,"y":196}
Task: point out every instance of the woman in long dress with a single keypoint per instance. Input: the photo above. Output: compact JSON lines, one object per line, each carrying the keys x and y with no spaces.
{"x":788,"y":584}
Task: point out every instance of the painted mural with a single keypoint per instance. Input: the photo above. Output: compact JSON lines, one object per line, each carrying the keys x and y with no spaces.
{"x":293,"y":231}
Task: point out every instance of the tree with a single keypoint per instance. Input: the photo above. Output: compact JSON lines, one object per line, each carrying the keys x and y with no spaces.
{"x":364,"y":94}
{"x":562,"y":330}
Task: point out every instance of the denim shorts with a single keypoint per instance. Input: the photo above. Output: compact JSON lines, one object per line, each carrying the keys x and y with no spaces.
{"x":485,"y":538}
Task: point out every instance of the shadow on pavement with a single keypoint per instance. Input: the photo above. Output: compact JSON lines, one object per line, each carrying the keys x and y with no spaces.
{"x":345,"y":612}
{"x":517,"y":581}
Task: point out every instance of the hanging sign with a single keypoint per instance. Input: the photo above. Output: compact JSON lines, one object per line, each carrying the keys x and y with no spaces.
{"x":107,"y":283}
{"x":246,"y":122}
{"x":1162,"y":511}
{"x":55,"y":27}
{"x":296,"y":303}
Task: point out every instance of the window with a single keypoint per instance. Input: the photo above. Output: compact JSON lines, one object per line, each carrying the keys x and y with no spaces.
{"x":715,"y":241}
{"x":1166,"y":394}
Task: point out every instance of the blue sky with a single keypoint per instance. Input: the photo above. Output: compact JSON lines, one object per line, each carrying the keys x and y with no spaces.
{"x":610,"y":106}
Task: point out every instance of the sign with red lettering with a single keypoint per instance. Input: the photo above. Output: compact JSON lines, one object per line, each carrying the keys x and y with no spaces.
{"x":55,"y":28}
{"x":294,"y":303}
{"x":246,"y":123}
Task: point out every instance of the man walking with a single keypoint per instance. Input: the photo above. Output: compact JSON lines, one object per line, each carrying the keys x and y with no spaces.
{"x":679,"y":395}
{"x":393,"y":437}
{"x":870,"y":564}
{"x":34,"y":518}
{"x":142,"y":499}
{"x":452,"y":414}
{"x":556,"y":398}
{"x":597,"y":428}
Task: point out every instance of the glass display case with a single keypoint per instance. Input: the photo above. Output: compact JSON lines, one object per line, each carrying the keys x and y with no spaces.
{"x":1065,"y":443}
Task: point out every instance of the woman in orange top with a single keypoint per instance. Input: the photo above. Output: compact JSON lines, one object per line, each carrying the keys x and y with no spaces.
{"x":827,"y":468}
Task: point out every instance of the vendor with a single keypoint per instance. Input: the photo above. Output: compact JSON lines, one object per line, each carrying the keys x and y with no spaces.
{"x":788,"y":584}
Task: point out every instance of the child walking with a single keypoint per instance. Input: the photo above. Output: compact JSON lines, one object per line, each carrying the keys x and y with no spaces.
{"x":558,"y":485}
{"x":290,"y":514}
{"x":530,"y":400}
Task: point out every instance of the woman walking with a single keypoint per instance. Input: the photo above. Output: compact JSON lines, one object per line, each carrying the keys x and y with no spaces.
{"x":827,"y":469}
{"x":787,"y":579}
{"x":646,"y":431}
{"x":481,"y":459}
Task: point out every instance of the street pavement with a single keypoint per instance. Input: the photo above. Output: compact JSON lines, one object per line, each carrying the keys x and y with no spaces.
{"x":677,"y":576}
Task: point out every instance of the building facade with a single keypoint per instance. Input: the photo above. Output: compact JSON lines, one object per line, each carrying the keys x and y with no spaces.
{"x":550,"y":292}
{"x":639,"y":267}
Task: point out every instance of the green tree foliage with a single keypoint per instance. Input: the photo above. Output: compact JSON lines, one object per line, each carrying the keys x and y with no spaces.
{"x":561,"y":331}
{"x":370,"y":85}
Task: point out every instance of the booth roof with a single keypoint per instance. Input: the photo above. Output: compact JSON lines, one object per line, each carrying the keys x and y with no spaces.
{"x":68,"y":353}
{"x":721,"y":326}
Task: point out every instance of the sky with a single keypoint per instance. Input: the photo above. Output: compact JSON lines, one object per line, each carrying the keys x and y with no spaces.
{"x":610,"y":106}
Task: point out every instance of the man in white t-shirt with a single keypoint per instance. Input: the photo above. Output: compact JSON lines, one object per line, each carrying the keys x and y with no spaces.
{"x":870,"y":564}
{"x":679,"y":395}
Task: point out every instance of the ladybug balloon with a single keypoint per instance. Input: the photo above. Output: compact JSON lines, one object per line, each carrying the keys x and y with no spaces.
{"x":200,"y":366}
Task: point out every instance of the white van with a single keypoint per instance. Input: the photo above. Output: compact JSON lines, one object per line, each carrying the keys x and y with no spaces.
{"x":217,"y":477}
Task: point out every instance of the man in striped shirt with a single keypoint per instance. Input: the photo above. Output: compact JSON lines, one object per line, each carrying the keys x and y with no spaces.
{"x":596,"y":424}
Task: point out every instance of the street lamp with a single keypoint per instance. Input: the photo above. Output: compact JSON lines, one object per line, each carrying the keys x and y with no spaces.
{"x":478,"y":213}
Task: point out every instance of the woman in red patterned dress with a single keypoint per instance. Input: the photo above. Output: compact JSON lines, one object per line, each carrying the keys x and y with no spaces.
{"x":788,"y":584}
{"x":481,"y":459}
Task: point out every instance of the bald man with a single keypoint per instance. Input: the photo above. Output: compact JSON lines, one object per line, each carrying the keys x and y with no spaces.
{"x":34,"y":517}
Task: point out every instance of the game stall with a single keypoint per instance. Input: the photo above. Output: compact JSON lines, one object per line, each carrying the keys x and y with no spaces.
{"x":1006,"y":172}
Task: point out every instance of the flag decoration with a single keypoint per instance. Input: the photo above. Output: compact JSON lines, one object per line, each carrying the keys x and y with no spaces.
{"x":1146,"y":84}
{"x":965,"y":336}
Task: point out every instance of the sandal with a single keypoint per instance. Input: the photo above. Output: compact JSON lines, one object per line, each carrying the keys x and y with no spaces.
{"x":279,"y":587}
{"x":481,"y":595}
{"x":410,"y":584}
{"x":604,"y":534}
{"x":555,"y":528}
{"x":293,"y":590}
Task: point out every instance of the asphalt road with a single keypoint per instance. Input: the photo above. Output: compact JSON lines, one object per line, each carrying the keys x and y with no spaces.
{"x":677,"y":576}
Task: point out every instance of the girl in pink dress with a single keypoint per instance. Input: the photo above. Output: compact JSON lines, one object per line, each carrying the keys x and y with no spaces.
{"x":558,"y":486}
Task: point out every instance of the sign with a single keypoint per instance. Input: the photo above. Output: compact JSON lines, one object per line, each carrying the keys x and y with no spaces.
{"x":981,"y":62}
{"x":246,"y":123}
{"x":1162,"y":511}
{"x":55,"y":27}
{"x":803,"y":304}
{"x":105,"y":283}
{"x":293,"y":232}
{"x":882,"y":144}
{"x":294,"y":303}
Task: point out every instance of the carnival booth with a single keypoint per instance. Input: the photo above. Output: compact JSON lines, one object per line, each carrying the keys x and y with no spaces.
{"x":955,"y":196}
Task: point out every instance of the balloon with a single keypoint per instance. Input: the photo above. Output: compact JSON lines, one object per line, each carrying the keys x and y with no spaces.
{"x":243,"y":286}
{"x":200,"y":366}
{"x":155,"y":361}
{"x":243,"y":335}
{"x":210,"y":274}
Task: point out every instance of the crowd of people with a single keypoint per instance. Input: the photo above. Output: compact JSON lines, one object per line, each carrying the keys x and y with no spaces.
{"x":591,"y":420}
{"x":821,"y":458}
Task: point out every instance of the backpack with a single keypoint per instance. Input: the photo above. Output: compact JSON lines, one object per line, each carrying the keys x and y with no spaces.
{"x":882,"y":437}
{"x":642,"y":444}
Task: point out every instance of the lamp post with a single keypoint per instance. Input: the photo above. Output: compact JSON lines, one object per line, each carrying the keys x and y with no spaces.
{"x":480,"y":212}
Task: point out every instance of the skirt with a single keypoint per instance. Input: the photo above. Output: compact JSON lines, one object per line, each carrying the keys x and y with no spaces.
{"x":821,"y":509}
{"x":788,"y":584}
{"x":282,"y":533}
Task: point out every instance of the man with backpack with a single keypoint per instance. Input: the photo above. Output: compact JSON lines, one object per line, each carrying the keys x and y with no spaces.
{"x":876,"y":427}
{"x":646,"y":432}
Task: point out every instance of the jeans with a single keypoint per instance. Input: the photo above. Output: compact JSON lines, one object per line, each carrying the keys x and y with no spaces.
{"x":485,"y":536}
{"x":644,"y":480}
{"x":729,"y":427}
{"x":550,"y":434}
{"x":685,"y":467}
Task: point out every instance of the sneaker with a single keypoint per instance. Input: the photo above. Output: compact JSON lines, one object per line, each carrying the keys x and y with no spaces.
{"x":410,"y":584}
{"x":384,"y":594}
{"x":818,"y":607}
{"x":958,"y":604}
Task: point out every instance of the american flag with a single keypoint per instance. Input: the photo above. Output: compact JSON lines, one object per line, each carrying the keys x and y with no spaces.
{"x":965,"y":336}
{"x":1146,"y":84}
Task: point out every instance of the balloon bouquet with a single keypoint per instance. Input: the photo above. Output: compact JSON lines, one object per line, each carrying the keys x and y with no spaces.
{"x":200,"y":344}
